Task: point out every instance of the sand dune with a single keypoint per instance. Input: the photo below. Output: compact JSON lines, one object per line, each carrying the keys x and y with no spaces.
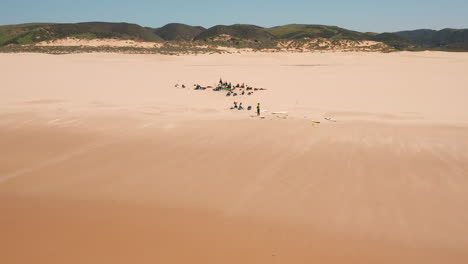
{"x":71,"y":42}
{"x":105,"y":161}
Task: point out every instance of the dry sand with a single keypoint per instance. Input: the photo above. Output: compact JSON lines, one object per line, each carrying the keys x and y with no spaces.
{"x":73,"y":42}
{"x":104,"y":161}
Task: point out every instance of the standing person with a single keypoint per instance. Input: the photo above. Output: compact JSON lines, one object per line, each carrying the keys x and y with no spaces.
{"x":258,"y":109}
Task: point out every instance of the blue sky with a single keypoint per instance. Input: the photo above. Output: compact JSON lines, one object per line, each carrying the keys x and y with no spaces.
{"x":361,"y":15}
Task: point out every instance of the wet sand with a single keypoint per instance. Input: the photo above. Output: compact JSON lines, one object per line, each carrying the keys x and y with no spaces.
{"x":104,"y":161}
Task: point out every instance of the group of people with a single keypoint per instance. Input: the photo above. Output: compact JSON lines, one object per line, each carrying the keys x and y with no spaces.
{"x":230,"y":85}
{"x":240,"y":107}
{"x":242,"y":92}
{"x":232,"y":90}
{"x":199,"y":87}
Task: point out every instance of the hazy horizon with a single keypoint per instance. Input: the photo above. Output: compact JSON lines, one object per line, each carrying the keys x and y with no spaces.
{"x":360,"y":15}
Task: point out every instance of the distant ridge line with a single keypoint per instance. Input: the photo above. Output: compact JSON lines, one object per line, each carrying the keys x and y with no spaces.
{"x":29,"y":33}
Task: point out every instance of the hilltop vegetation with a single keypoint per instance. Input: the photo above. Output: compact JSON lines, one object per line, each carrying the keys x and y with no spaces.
{"x":21,"y":34}
{"x":178,"y":32}
{"x":238,"y":35}
{"x":393,"y":40}
{"x":298,"y":31}
{"x":236,"y":31}
{"x":455,"y":39}
{"x":30,"y":33}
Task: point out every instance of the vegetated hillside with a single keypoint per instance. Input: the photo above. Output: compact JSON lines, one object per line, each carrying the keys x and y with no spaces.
{"x":393,"y":40}
{"x":19,"y":32}
{"x":23,"y":34}
{"x":178,"y":32}
{"x":239,"y":31}
{"x":444,"y":39}
{"x":105,"y":30}
{"x":239,"y":35}
{"x":298,"y":31}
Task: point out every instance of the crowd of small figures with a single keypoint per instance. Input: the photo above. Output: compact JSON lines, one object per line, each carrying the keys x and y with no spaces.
{"x":232,"y":90}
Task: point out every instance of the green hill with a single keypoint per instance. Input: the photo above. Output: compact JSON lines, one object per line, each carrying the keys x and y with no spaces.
{"x":30,"y":33}
{"x":393,"y":40}
{"x":443,"y":39}
{"x":104,"y":30}
{"x":236,"y":31}
{"x":178,"y":32}
{"x":19,"y":33}
{"x":298,"y":31}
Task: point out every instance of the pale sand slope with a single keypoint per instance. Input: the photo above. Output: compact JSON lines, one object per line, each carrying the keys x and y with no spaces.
{"x":73,"y":42}
{"x":104,"y":161}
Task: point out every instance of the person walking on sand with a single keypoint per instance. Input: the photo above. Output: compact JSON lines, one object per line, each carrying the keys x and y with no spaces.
{"x":258,"y":109}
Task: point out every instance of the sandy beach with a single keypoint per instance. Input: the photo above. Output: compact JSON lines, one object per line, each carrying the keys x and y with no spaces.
{"x":103,"y":160}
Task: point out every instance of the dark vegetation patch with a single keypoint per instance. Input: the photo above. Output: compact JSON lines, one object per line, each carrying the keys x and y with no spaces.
{"x":445,"y":39}
{"x":178,"y":32}
{"x":299,"y":31}
{"x":237,"y":31}
{"x":31,"y":33}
